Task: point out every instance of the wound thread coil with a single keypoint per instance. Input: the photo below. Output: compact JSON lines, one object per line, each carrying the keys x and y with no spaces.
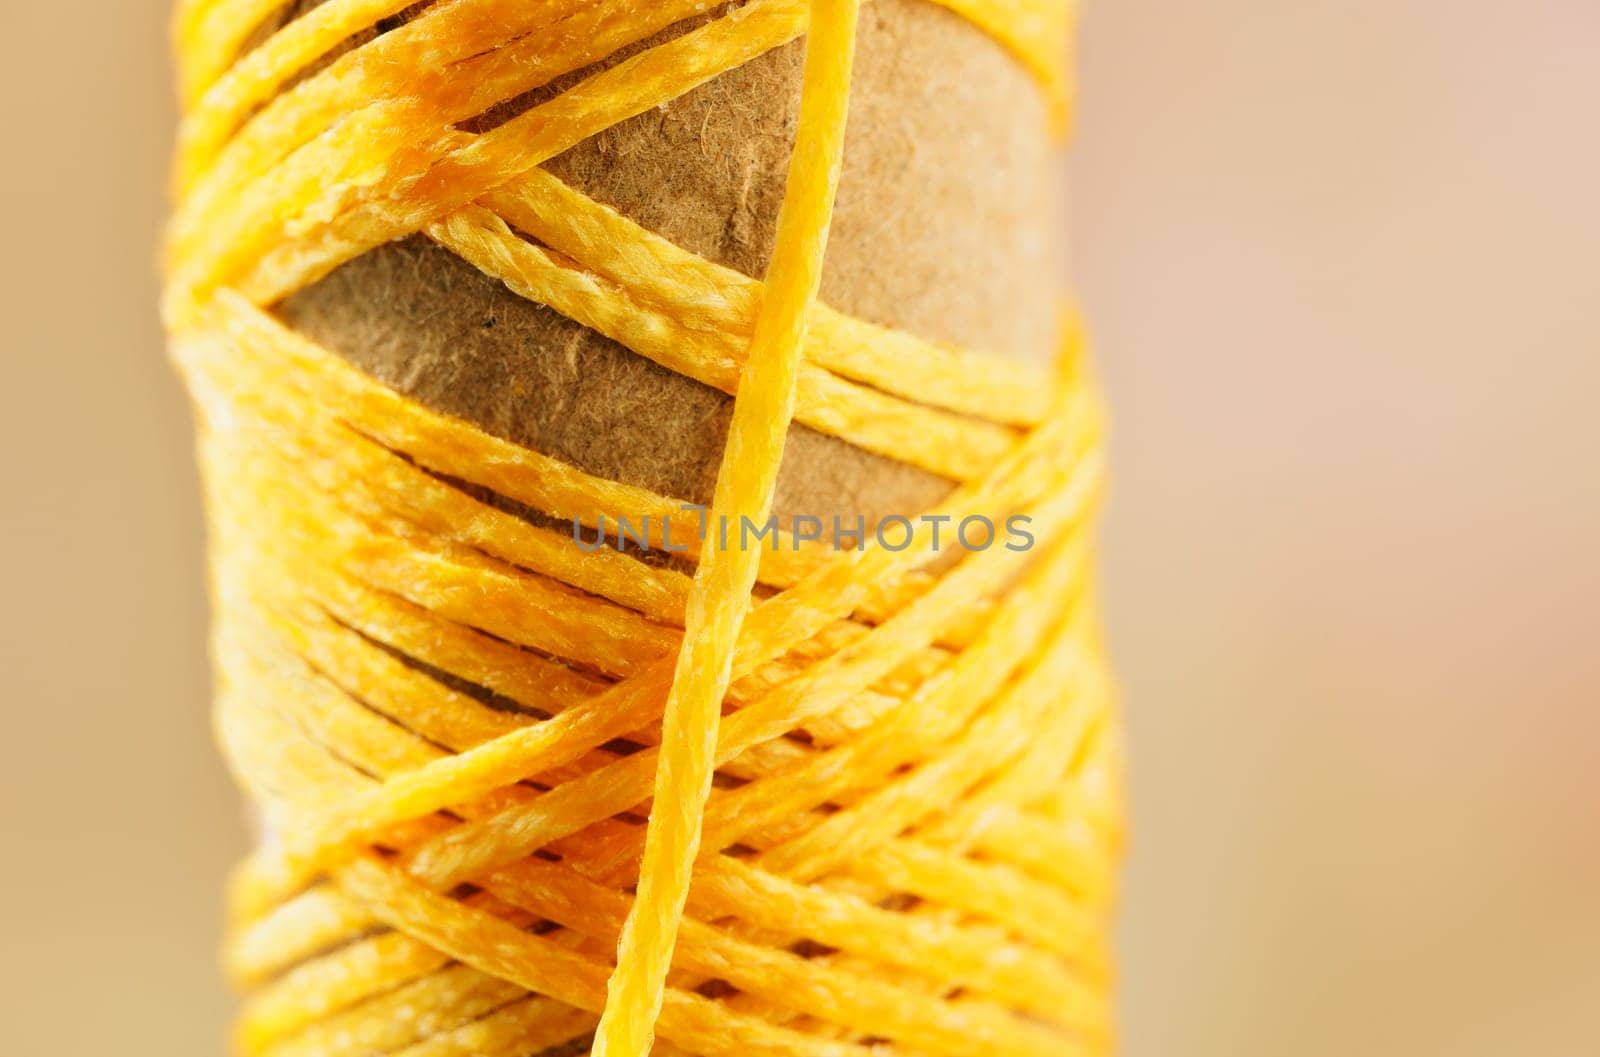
{"x":486,"y":753}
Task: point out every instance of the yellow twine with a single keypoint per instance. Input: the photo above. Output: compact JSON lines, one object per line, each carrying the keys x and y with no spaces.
{"x":453,"y":719}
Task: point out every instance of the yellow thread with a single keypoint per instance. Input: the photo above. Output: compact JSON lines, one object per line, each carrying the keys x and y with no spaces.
{"x":764,"y":404}
{"x":421,"y":691}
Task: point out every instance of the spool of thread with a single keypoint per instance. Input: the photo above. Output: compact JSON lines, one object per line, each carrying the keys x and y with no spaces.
{"x":455,"y":283}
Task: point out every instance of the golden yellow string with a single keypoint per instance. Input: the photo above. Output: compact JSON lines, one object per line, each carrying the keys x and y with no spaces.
{"x":452,"y":720}
{"x":763,"y":407}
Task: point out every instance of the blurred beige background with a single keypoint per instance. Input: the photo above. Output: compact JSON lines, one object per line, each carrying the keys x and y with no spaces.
{"x":1343,"y":259}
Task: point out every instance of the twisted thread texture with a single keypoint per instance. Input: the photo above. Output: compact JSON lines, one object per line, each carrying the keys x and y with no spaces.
{"x":521,"y":795}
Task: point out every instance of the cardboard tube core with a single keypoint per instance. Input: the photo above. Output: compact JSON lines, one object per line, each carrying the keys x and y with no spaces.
{"x":944,"y":227}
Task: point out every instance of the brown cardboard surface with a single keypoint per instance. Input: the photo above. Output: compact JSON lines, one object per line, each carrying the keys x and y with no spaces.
{"x":945,"y":201}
